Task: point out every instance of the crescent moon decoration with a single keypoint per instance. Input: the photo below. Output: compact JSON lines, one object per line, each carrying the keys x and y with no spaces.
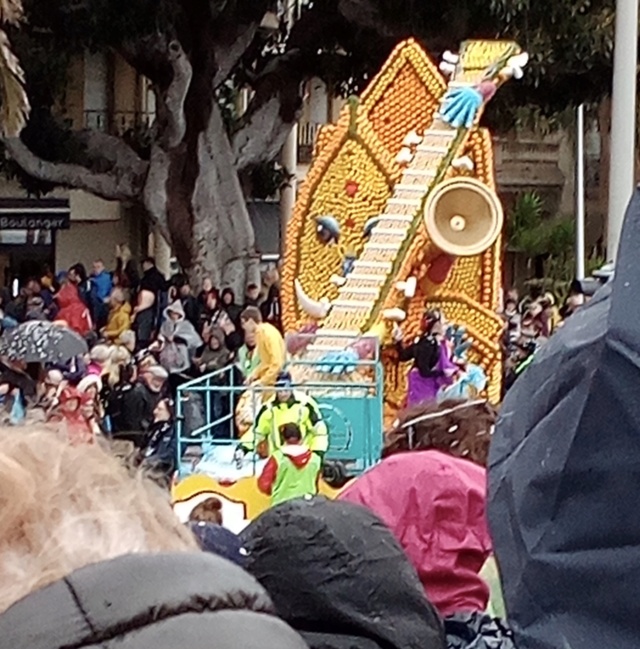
{"x":316,"y":309}
{"x":369,"y":225}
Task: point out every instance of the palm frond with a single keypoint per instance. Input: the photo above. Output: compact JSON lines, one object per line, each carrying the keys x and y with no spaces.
{"x":14,"y":110}
{"x":11,"y":12}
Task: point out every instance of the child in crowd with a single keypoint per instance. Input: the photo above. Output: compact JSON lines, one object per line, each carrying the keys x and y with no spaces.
{"x":293,"y":469}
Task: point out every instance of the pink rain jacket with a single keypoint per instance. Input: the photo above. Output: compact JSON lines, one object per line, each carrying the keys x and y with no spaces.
{"x":435,"y":505}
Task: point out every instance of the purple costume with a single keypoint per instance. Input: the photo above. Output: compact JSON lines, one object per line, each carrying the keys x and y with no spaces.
{"x":425,"y":388}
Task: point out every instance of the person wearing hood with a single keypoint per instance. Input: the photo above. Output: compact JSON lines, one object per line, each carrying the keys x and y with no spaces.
{"x":215,"y":355}
{"x":292,"y":471}
{"x":73,"y":310}
{"x":190,"y":303}
{"x":119,"y":319}
{"x":435,"y":505}
{"x":233,"y":310}
{"x":286,"y":407}
{"x":139,"y":400}
{"x":337,"y":575}
{"x":179,"y":340}
{"x":564,"y":474}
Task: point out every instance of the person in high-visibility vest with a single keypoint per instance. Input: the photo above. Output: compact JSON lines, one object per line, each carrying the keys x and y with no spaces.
{"x":288,"y":406}
{"x":292,"y":471}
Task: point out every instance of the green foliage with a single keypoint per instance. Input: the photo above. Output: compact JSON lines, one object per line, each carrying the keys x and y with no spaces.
{"x":570,"y":43}
{"x":534,"y":235}
{"x":524,"y":225}
{"x":267,"y":179}
{"x":344,"y":42}
{"x":571,"y":48}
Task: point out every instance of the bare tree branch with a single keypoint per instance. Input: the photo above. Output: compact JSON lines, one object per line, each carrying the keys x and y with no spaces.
{"x":155,"y":189}
{"x":122,"y":184}
{"x":110,"y":148}
{"x":149,"y":57}
{"x":229,"y":55}
{"x":171,"y":111}
{"x":364,"y":14}
{"x":263,"y":135}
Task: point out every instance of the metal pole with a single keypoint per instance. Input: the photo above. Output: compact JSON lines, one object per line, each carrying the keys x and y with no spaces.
{"x":623,"y":120}
{"x":289,"y":156}
{"x":580,"y":193}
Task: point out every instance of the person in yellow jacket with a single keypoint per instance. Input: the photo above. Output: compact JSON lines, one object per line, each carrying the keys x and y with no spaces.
{"x":288,"y":406}
{"x":119,"y":316}
{"x":270,"y":348}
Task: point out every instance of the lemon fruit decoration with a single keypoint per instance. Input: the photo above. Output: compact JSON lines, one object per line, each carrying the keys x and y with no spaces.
{"x":408,"y":176}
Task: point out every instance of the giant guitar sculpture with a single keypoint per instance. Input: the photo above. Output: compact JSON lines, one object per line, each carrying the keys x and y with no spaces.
{"x":399,"y":211}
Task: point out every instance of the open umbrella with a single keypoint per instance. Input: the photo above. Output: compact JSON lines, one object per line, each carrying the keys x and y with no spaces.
{"x":565,"y":474}
{"x":42,"y":342}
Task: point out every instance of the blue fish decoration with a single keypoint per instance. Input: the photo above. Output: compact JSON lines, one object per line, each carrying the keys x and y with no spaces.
{"x":339,"y":362}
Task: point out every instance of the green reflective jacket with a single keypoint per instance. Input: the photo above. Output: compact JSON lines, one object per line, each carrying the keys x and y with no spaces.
{"x":301,"y":410}
{"x":292,"y":481}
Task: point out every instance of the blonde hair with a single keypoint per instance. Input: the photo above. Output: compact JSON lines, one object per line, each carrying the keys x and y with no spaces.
{"x":120,"y":356}
{"x":117,"y":294}
{"x":127,"y":337}
{"x":63,"y":507}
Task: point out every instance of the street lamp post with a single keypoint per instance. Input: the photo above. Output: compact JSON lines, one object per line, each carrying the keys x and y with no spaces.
{"x":580,"y":217}
{"x":623,"y":120}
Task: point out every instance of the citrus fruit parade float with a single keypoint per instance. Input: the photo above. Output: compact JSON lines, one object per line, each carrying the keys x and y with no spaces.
{"x":397,"y":213}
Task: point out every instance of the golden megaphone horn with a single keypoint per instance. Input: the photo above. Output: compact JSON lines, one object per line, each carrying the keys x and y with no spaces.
{"x":463,"y":217}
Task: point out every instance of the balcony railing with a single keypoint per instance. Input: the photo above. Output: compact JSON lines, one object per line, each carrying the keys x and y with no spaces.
{"x":117,"y":122}
{"x":307,"y":135}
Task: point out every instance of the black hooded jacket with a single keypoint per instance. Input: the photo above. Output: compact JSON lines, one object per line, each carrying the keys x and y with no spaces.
{"x":338,"y":576}
{"x":167,"y":601}
{"x":565,"y":474}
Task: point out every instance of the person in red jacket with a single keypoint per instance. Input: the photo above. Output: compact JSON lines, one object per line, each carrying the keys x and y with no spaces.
{"x":293,"y":469}
{"x":73,"y":311}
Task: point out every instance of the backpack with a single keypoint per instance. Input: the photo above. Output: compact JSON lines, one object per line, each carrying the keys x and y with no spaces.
{"x":162,"y":302}
{"x":114,"y":406}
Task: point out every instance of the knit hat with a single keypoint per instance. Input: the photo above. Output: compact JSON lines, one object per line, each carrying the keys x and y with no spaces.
{"x":100,"y":353}
{"x":284,"y":380}
{"x":89,"y":382}
{"x":156,"y":371}
{"x":219,"y":540}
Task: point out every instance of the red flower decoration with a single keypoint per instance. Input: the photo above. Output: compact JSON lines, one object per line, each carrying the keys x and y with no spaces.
{"x":350,"y":223}
{"x":351,"y":188}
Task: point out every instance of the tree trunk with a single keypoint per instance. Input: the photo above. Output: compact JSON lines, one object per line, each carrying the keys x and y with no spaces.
{"x":193,"y":194}
{"x":223,"y":246}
